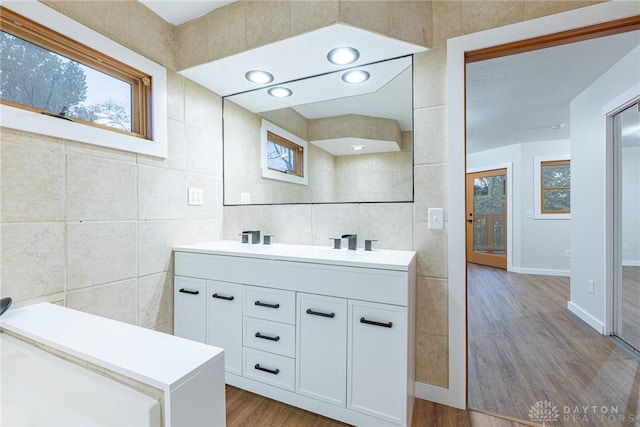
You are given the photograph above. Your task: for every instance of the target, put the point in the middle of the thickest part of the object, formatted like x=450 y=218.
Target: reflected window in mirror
x=284 y=154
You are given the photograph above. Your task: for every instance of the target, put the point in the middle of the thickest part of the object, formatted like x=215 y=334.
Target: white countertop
x=160 y=360
x=377 y=258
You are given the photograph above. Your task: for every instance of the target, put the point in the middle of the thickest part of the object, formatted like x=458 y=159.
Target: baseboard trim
x=541 y=271
x=586 y=317
x=433 y=393
x=631 y=263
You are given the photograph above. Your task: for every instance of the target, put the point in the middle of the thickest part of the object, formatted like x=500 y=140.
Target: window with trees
x=284 y=155
x=552 y=193
x=46 y=72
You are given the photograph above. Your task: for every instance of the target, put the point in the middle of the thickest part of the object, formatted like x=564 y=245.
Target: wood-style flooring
x=245 y=409
x=525 y=347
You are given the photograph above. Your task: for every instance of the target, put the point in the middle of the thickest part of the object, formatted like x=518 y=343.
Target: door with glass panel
x=627 y=217
x=487 y=218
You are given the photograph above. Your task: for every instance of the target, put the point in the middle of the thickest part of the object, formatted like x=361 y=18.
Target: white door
x=190 y=308
x=377 y=360
x=322 y=348
x=224 y=322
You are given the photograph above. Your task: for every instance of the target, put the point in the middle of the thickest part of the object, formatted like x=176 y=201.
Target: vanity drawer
x=274 y=337
x=269 y=368
x=270 y=304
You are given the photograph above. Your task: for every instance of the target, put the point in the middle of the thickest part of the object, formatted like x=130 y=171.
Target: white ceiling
x=179 y=12
x=518 y=98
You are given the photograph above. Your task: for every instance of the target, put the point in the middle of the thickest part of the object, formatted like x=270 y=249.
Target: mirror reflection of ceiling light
x=280 y=92
x=343 y=55
x=259 y=76
x=357 y=147
x=355 y=76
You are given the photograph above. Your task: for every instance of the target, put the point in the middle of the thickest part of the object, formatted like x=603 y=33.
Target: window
x=553 y=188
x=99 y=92
x=46 y=72
x=284 y=155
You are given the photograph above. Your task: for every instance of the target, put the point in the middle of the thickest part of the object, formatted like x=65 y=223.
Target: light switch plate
x=195 y=196
x=436 y=218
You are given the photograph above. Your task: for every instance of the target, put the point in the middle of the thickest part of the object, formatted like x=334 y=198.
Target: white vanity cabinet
x=224 y=322
x=190 y=307
x=329 y=331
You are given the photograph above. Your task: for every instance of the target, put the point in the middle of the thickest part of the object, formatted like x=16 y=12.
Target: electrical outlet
x=591 y=287
x=567 y=253
x=528 y=214
x=195 y=196
x=625 y=246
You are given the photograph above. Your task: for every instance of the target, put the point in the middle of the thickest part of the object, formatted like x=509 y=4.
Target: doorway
x=487 y=218
x=626 y=139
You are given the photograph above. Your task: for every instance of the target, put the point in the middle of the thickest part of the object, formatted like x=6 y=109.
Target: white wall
x=631 y=205
x=589 y=156
x=537 y=245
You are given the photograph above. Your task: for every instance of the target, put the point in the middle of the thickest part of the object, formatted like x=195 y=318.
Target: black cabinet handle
x=318 y=313
x=374 y=323
x=264 y=304
x=187 y=291
x=267 y=337
x=271 y=371
x=231 y=298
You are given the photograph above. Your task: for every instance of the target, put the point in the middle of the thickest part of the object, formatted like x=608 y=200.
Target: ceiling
x=524 y=97
x=515 y=99
x=179 y=12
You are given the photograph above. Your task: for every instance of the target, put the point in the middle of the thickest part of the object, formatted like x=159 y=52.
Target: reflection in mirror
x=359 y=139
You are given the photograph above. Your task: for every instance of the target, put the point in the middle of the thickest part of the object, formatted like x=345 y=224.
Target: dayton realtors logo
x=546 y=412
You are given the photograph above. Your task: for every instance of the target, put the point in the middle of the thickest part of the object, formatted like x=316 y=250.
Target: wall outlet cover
x=195 y=196
x=436 y=218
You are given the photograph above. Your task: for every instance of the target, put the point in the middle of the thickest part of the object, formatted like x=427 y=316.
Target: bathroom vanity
x=330 y=331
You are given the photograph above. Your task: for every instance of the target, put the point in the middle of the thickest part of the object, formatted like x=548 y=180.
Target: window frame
x=539 y=163
x=149 y=134
x=289 y=140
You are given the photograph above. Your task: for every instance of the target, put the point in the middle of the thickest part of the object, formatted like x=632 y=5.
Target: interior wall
x=589 y=171
x=36 y=266
x=631 y=206
x=92 y=228
x=538 y=244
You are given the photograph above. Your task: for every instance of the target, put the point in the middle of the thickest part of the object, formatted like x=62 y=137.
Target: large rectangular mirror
x=328 y=140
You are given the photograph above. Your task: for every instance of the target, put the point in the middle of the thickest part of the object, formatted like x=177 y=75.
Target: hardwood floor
x=250 y=410
x=525 y=347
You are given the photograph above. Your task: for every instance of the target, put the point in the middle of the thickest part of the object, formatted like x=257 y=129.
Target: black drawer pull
x=318 y=313
x=267 y=337
x=187 y=291
x=372 y=322
x=271 y=371
x=264 y=304
x=231 y=298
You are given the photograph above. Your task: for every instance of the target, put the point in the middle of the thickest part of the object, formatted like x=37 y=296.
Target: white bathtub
x=38 y=388
x=65 y=367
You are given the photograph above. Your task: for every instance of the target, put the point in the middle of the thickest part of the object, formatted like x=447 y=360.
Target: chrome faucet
x=352 y=241
x=255 y=236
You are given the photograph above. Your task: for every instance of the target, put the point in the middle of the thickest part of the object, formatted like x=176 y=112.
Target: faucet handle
x=337 y=242
x=367 y=245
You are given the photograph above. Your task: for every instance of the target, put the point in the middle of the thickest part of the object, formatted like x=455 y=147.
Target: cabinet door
x=224 y=322
x=321 y=360
x=190 y=308
x=377 y=360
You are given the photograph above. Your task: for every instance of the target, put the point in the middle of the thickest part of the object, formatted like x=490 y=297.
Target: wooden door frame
x=508 y=167
x=455 y=393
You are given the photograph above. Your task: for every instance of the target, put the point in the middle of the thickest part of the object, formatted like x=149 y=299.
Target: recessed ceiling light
x=343 y=55
x=259 y=76
x=280 y=92
x=355 y=76
x=357 y=147
x=558 y=126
